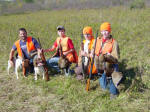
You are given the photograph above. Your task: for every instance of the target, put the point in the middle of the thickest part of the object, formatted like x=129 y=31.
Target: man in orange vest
x=107 y=49
x=24 y=46
x=87 y=45
x=67 y=46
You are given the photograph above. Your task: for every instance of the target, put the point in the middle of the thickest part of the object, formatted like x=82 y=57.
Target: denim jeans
x=53 y=63
x=116 y=67
x=108 y=83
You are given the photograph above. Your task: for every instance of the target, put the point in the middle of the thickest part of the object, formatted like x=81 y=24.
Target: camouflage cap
x=60 y=28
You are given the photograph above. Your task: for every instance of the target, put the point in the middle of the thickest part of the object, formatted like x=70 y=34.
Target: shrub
x=28 y=1
x=137 y=4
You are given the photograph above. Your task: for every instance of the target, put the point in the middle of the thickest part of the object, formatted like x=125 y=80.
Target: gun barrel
x=92 y=63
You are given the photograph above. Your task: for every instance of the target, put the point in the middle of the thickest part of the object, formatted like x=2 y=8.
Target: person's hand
x=41 y=50
x=45 y=50
x=65 y=53
x=91 y=55
x=12 y=63
x=108 y=54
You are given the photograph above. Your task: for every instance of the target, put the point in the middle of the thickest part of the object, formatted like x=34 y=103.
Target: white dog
x=17 y=66
x=39 y=70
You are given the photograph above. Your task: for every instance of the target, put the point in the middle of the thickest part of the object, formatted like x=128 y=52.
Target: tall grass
x=129 y=27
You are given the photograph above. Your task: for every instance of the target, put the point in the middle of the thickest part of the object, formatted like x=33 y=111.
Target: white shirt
x=86 y=46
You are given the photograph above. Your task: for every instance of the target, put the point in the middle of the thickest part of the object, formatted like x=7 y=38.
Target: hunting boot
x=116 y=77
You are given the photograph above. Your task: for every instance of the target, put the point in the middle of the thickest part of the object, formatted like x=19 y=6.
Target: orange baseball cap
x=87 y=30
x=105 y=26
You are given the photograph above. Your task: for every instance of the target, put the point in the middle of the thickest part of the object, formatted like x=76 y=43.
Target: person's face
x=61 y=33
x=22 y=35
x=87 y=36
x=105 y=33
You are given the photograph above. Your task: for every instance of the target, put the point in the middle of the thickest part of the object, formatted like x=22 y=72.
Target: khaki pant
x=78 y=70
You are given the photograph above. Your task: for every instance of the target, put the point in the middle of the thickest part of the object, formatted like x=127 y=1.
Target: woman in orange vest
x=67 y=49
x=108 y=47
x=85 y=51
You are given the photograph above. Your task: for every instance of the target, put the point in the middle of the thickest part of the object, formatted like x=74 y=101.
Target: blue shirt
x=23 y=46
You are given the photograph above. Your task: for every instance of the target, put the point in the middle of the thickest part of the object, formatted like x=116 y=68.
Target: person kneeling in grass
x=106 y=60
x=84 y=60
x=64 y=44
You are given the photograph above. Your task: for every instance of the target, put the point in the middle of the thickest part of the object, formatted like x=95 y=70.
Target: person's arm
x=11 y=57
x=52 y=48
x=115 y=51
x=11 y=54
x=36 y=44
x=71 y=50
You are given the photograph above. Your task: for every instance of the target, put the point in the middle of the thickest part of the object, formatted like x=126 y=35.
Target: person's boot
x=79 y=77
x=113 y=96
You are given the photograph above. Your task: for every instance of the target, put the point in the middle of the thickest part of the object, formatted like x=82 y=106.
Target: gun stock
x=92 y=63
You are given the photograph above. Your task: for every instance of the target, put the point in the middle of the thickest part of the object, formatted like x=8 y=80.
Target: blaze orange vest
x=107 y=47
x=90 y=44
x=64 y=43
x=29 y=43
x=94 y=71
x=72 y=57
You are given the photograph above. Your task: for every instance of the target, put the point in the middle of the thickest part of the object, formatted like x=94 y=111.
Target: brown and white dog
x=18 y=65
x=64 y=64
x=38 y=67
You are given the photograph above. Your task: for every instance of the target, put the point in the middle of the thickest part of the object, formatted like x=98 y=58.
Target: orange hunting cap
x=87 y=30
x=105 y=26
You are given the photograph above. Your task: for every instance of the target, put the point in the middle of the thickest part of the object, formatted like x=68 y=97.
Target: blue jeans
x=116 y=67
x=108 y=83
x=53 y=63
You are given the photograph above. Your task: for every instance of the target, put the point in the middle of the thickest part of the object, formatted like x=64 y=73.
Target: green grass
x=65 y=94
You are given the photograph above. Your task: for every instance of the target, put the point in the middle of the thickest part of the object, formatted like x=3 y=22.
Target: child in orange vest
x=67 y=49
x=85 y=53
x=108 y=47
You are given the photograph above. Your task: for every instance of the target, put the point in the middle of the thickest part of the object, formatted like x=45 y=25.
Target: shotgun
x=44 y=60
x=82 y=58
x=92 y=63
